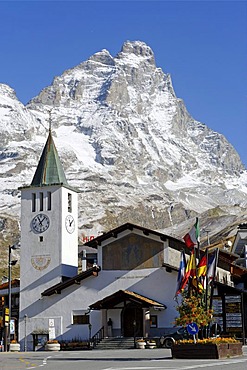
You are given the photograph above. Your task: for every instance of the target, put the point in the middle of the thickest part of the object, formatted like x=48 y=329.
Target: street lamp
x=11 y=263
x=25 y=342
x=90 y=333
x=134 y=326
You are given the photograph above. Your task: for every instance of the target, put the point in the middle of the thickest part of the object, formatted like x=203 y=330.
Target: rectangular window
x=33 y=202
x=2 y=303
x=16 y=301
x=153 y=321
x=69 y=202
x=48 y=201
x=81 y=319
x=41 y=201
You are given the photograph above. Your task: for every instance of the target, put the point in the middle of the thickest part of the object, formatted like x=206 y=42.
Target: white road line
x=174 y=367
x=134 y=368
x=213 y=364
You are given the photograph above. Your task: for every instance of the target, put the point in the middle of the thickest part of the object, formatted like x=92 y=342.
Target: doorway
x=131 y=314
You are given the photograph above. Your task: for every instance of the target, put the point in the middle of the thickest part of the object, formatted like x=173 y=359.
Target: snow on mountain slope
x=126 y=141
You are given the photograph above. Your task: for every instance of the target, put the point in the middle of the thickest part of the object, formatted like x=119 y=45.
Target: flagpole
x=198 y=239
x=206 y=302
x=197 y=277
x=206 y=292
x=197 y=252
x=212 y=284
x=190 y=279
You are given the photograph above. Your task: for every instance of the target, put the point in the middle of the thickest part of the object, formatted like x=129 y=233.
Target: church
x=130 y=281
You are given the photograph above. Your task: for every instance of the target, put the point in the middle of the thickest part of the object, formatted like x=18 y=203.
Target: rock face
x=126 y=141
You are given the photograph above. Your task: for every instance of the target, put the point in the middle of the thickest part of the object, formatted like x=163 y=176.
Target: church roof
x=49 y=170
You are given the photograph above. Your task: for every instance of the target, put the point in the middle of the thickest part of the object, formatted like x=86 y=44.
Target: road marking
x=32 y=365
x=135 y=368
x=174 y=367
x=213 y=364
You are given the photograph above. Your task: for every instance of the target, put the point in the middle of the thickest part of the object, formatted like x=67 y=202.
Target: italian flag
x=192 y=237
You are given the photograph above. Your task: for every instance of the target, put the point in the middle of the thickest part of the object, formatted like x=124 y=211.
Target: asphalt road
x=136 y=359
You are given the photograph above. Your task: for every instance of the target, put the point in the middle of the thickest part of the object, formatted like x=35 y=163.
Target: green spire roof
x=49 y=170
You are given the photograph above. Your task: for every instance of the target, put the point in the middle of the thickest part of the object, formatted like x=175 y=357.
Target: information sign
x=233 y=313
x=12 y=326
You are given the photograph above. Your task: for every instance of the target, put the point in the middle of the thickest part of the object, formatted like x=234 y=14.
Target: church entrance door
x=130 y=316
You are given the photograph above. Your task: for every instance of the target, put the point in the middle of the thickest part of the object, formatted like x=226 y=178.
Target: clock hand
x=71 y=222
x=41 y=221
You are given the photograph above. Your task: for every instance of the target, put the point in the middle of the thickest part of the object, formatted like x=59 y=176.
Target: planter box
x=151 y=345
x=73 y=346
x=207 y=351
x=52 y=347
x=140 y=345
x=14 y=347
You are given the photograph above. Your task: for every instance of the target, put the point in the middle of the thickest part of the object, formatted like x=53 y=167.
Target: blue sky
x=202 y=44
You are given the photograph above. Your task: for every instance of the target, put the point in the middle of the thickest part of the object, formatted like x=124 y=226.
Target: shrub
x=192 y=309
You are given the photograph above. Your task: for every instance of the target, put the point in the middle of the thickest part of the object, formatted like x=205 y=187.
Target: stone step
x=116 y=343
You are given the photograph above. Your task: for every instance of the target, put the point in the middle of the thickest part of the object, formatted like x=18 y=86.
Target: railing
x=97 y=337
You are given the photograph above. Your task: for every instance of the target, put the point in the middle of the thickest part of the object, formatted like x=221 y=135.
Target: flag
x=202 y=272
x=197 y=284
x=212 y=261
x=193 y=236
x=181 y=271
x=190 y=271
x=202 y=266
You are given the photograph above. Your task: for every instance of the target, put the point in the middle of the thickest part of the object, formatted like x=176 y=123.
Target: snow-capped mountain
x=127 y=142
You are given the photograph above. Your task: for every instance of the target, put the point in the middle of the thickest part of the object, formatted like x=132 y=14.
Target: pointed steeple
x=49 y=170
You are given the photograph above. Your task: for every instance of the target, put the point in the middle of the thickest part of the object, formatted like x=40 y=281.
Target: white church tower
x=49 y=233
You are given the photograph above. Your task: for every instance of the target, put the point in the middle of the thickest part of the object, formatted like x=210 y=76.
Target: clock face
x=40 y=223
x=70 y=224
x=40 y=262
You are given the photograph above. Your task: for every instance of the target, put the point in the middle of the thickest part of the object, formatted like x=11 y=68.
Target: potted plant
x=151 y=344
x=52 y=345
x=140 y=343
x=14 y=346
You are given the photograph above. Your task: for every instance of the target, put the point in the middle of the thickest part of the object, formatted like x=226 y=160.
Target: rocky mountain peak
x=7 y=91
x=103 y=57
x=126 y=141
x=138 y=49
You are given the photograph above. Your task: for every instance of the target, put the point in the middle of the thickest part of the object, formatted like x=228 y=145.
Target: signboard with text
x=217 y=307
x=233 y=313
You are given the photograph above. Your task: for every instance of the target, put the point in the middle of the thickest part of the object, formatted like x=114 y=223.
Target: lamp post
x=134 y=326
x=11 y=263
x=25 y=342
x=90 y=333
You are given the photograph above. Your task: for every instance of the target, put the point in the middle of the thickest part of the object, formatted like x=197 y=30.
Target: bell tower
x=49 y=230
